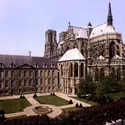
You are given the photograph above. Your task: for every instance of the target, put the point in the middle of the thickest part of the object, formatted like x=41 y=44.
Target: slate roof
x=72 y=55
x=19 y=60
x=102 y=29
x=79 y=31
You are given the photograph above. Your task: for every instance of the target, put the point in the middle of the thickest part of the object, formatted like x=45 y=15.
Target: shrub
x=22 y=97
x=77 y=105
x=70 y=101
x=51 y=93
x=35 y=95
x=80 y=105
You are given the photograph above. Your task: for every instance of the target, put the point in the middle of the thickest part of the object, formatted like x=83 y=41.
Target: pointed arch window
x=76 y=70
x=61 y=70
x=112 y=50
x=82 y=70
x=71 y=71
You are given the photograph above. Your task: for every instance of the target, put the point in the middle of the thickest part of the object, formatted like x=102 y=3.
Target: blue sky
x=23 y=22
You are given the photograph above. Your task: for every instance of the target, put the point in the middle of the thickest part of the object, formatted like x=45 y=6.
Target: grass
x=14 y=105
x=53 y=100
x=86 y=101
x=71 y=109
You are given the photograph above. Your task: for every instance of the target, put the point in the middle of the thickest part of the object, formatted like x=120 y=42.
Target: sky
x=23 y=22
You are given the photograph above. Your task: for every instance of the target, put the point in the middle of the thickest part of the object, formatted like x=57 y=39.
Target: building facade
x=26 y=74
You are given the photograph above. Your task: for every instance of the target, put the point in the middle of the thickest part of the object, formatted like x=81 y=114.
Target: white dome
x=72 y=54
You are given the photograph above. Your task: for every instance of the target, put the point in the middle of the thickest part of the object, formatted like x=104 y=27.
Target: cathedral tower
x=50 y=42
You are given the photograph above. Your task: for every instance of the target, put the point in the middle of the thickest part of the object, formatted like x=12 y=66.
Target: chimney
x=29 y=53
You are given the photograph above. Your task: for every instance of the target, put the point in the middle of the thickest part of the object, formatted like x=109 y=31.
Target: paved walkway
x=15 y=114
x=66 y=97
x=32 y=101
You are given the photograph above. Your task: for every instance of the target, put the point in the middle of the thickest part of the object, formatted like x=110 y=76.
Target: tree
x=86 y=87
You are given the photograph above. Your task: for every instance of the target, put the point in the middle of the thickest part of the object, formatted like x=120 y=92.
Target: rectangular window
x=48 y=73
x=6 y=73
x=41 y=81
x=0 y=84
x=52 y=72
x=48 y=81
x=12 y=74
x=12 y=83
x=6 y=83
x=24 y=82
x=0 y=74
x=30 y=73
x=20 y=83
x=30 y=82
x=24 y=73
x=20 y=74
x=41 y=73
x=52 y=81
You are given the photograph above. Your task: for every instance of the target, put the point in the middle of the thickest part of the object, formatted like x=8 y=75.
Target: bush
x=90 y=97
x=53 y=94
x=80 y=105
x=35 y=95
x=70 y=101
x=77 y=105
x=22 y=97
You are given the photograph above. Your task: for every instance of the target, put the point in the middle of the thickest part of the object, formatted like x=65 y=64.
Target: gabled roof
x=72 y=54
x=102 y=29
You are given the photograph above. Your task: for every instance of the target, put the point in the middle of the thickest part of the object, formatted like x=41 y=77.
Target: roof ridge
x=13 y=55
x=100 y=25
x=78 y=27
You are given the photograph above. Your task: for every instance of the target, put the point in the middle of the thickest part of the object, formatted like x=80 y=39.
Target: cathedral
x=95 y=51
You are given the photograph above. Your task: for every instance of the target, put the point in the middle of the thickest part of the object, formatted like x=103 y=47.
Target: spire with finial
x=110 y=17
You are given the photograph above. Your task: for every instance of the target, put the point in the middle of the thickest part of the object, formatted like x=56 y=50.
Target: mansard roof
x=72 y=55
x=102 y=29
x=19 y=60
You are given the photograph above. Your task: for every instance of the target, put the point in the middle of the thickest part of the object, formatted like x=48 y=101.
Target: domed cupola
x=89 y=24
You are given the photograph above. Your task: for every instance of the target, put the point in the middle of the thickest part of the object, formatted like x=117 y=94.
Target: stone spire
x=110 y=17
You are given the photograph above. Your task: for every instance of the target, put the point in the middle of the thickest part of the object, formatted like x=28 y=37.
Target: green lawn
x=71 y=109
x=14 y=105
x=53 y=100
x=86 y=101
